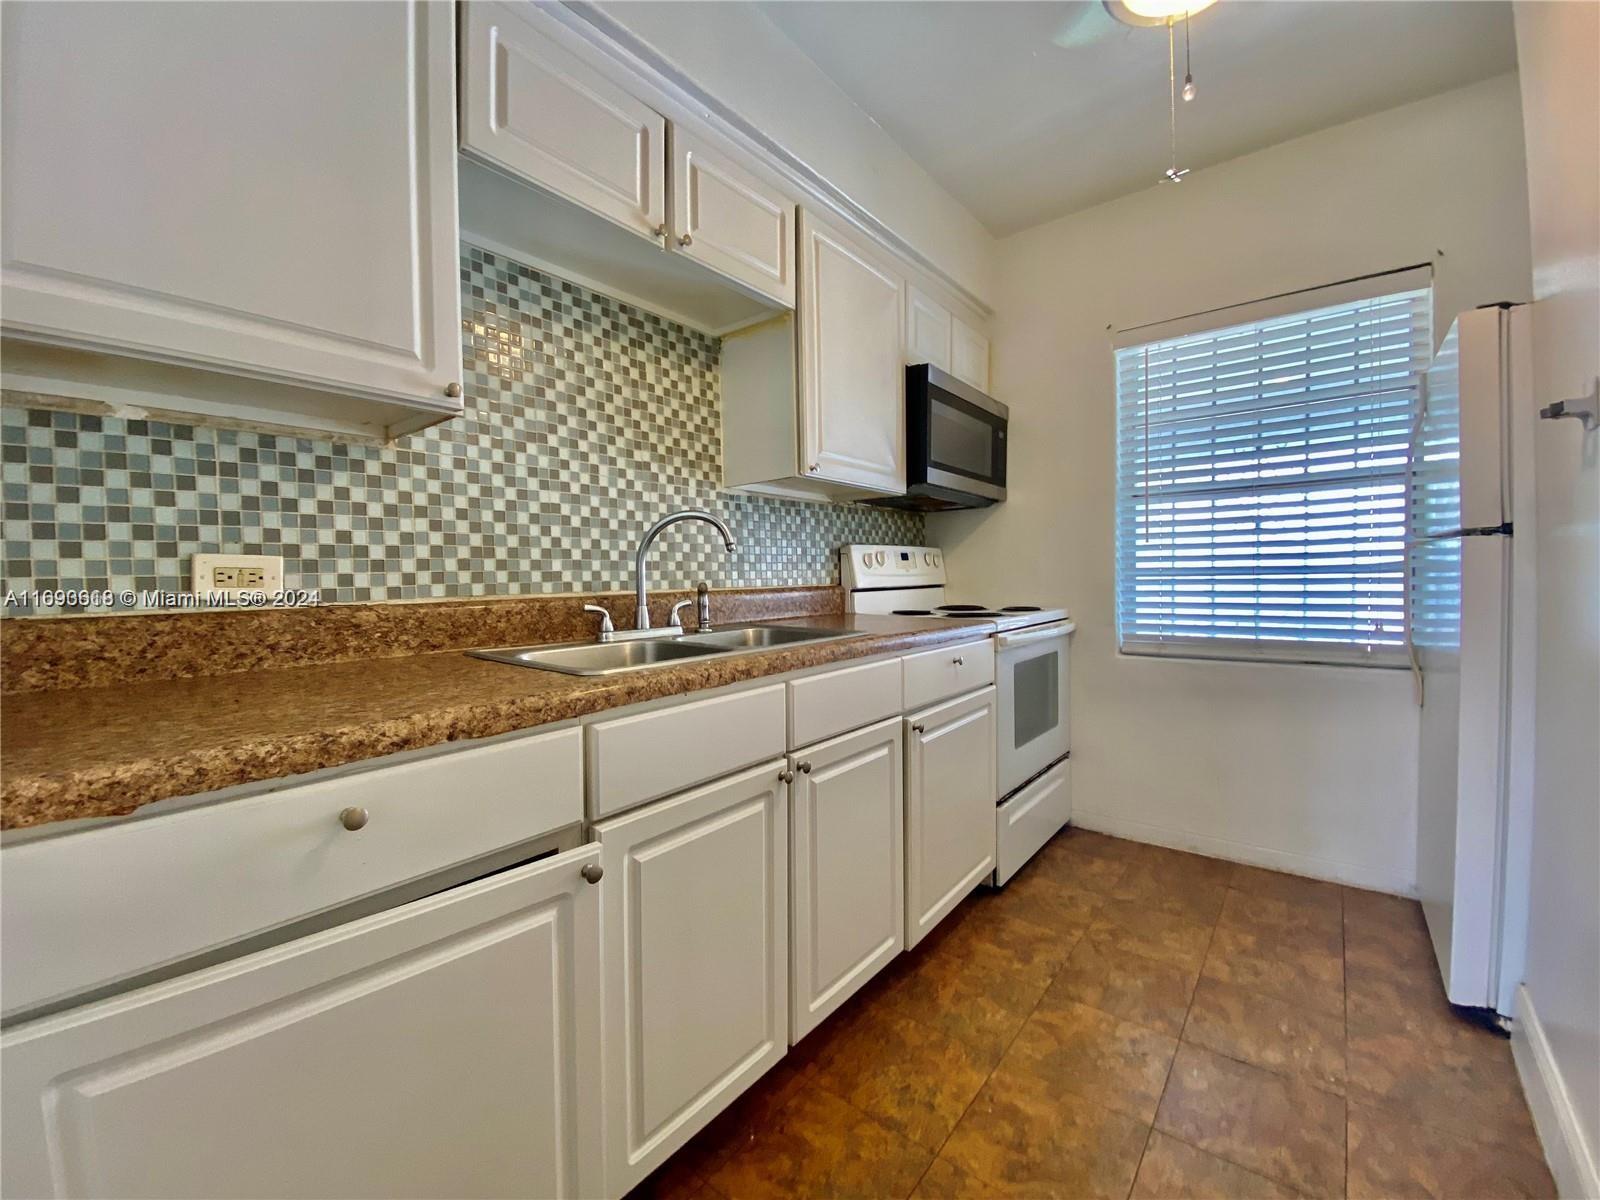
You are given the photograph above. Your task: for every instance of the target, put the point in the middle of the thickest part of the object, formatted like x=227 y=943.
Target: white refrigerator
x=1472 y=613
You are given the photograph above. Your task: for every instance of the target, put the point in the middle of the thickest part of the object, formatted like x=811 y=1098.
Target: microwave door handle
x=1006 y=641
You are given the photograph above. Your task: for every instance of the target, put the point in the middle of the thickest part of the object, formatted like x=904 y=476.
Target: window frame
x=1126 y=511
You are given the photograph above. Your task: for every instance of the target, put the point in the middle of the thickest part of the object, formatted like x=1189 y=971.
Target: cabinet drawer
x=825 y=705
x=948 y=671
x=640 y=758
x=87 y=909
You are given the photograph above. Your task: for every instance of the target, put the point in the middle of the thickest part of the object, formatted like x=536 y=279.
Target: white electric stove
x=909 y=581
x=1032 y=792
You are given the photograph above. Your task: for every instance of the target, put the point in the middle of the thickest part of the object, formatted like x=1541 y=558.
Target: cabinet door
x=969 y=355
x=696 y=961
x=727 y=218
x=950 y=807
x=449 y=1047
x=852 y=374
x=847 y=821
x=928 y=327
x=241 y=187
x=533 y=107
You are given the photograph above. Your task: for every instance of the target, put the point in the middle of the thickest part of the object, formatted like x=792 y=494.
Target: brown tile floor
x=1125 y=1020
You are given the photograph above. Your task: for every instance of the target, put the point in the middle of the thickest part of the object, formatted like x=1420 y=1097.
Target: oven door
x=1031 y=681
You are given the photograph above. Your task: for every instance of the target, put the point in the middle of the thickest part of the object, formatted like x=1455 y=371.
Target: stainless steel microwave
x=955 y=444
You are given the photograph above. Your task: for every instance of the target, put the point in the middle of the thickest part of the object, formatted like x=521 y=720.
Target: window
x=1261 y=475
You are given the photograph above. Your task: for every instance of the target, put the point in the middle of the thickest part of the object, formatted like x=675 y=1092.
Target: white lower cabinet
x=448 y=1047
x=695 y=932
x=847 y=909
x=950 y=807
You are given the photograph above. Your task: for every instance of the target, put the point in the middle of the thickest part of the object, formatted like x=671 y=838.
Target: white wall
x=737 y=55
x=1308 y=768
x=1558 y=51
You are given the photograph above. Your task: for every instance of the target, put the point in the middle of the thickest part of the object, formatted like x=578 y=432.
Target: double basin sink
x=610 y=658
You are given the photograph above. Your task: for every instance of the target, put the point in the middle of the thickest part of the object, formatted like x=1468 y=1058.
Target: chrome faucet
x=640 y=596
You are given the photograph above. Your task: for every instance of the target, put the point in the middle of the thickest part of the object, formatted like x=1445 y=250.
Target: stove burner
x=913 y=612
x=973 y=612
x=1021 y=608
x=961 y=608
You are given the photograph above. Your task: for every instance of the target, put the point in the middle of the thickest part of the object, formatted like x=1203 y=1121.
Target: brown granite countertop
x=108 y=751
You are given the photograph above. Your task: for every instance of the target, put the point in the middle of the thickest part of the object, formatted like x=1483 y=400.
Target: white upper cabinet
x=198 y=192
x=852 y=378
x=939 y=337
x=727 y=218
x=448 y=1047
x=927 y=330
x=969 y=355
x=543 y=105
x=533 y=107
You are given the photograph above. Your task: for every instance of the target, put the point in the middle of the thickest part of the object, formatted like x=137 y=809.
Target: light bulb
x=1166 y=10
x=1188 y=87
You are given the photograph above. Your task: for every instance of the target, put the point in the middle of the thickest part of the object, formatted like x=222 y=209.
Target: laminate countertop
x=109 y=751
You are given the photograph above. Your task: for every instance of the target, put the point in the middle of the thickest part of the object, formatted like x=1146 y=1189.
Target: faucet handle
x=607 y=629
x=673 y=618
x=702 y=597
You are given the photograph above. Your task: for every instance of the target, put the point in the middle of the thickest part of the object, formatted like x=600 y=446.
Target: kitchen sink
x=600 y=658
x=759 y=637
x=609 y=658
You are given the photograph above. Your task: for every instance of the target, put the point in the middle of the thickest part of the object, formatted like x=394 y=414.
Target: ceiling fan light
x=1154 y=12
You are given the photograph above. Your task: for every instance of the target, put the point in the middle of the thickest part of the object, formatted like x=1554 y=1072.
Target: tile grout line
x=1173 y=1064
x=1000 y=1058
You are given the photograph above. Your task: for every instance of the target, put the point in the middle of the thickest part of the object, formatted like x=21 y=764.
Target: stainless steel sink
x=601 y=658
x=759 y=637
x=609 y=658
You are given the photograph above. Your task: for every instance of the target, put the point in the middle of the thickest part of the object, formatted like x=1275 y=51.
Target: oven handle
x=1005 y=641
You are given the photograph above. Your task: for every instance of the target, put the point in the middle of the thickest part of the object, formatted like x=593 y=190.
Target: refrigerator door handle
x=1504 y=529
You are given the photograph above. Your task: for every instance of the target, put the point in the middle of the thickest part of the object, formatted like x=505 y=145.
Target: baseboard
x=1353 y=874
x=1566 y=1147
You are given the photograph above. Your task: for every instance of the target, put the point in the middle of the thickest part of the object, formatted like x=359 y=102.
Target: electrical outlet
x=236 y=573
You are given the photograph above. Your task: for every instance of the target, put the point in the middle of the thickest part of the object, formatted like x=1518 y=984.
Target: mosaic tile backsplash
x=586 y=419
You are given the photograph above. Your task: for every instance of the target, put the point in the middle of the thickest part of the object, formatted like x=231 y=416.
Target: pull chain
x=1174 y=175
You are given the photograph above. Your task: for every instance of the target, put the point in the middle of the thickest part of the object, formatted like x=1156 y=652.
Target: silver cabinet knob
x=813 y=469
x=805 y=766
x=591 y=872
x=661 y=230
x=785 y=776
x=353 y=818
x=685 y=240
x=453 y=390
x=960 y=662
x=918 y=729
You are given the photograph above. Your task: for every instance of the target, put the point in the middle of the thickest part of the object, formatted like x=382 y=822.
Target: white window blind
x=1261 y=478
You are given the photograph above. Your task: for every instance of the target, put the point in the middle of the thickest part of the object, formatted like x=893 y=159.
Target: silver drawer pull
x=785 y=776
x=960 y=662
x=591 y=872
x=918 y=729
x=805 y=767
x=353 y=818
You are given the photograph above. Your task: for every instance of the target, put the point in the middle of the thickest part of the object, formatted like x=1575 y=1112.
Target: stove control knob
x=928 y=558
x=866 y=559
x=937 y=561
x=880 y=557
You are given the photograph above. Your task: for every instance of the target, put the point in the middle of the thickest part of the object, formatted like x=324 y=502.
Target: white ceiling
x=1027 y=110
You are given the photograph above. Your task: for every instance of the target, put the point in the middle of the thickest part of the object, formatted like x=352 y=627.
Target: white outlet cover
x=203 y=567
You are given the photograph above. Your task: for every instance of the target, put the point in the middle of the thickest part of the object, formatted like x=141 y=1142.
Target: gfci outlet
x=236 y=573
